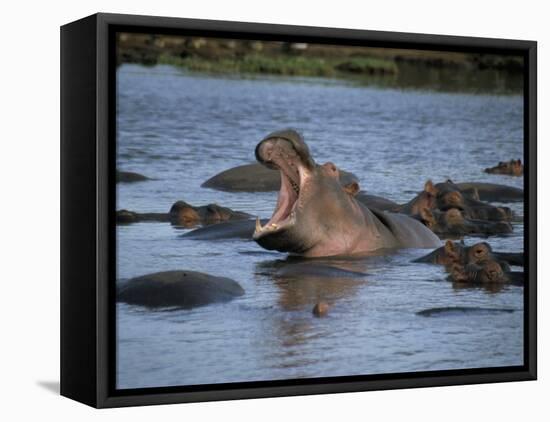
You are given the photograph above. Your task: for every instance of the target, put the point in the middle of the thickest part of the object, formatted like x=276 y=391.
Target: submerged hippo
x=478 y=253
x=316 y=216
x=453 y=223
x=487 y=272
x=448 y=195
x=510 y=168
x=491 y=192
x=373 y=201
x=468 y=198
x=184 y=214
x=443 y=196
x=241 y=229
x=178 y=289
x=255 y=178
x=129 y=177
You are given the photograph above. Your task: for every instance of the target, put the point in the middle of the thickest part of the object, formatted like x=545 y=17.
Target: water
x=181 y=129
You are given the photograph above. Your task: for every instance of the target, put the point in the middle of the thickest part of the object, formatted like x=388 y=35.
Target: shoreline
x=297 y=59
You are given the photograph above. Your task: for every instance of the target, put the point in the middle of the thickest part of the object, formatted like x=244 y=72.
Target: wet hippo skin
x=178 y=289
x=487 y=272
x=468 y=197
x=377 y=202
x=453 y=223
x=183 y=214
x=491 y=192
x=241 y=229
x=510 y=168
x=463 y=254
x=129 y=177
x=448 y=195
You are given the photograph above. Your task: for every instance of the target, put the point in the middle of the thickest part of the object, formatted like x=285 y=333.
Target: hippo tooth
x=273 y=225
x=258 y=225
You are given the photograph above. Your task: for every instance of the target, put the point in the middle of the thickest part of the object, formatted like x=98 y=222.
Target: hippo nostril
x=493 y=271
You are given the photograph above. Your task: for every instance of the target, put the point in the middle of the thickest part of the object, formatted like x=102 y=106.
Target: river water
x=181 y=128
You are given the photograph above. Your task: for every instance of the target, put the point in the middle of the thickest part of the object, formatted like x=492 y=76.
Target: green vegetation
x=368 y=65
x=404 y=68
x=284 y=65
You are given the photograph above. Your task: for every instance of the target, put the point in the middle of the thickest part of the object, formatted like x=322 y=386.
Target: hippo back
x=409 y=232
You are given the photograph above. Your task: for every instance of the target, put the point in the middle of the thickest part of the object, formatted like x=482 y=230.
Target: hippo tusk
x=260 y=229
x=258 y=225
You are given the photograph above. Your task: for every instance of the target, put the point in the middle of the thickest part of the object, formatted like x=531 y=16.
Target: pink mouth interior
x=282 y=155
x=285 y=202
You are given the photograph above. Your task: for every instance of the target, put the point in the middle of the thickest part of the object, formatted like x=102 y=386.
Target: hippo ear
x=430 y=188
x=449 y=246
x=352 y=188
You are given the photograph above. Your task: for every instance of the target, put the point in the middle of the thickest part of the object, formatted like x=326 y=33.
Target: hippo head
x=442 y=222
x=448 y=195
x=453 y=222
x=312 y=205
x=184 y=214
x=424 y=200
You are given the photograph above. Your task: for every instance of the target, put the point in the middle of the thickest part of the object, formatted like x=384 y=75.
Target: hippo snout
x=295 y=140
x=493 y=271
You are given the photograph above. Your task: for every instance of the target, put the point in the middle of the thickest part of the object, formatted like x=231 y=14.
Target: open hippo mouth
x=287 y=152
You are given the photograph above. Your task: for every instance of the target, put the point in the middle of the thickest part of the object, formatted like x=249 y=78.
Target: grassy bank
x=284 y=65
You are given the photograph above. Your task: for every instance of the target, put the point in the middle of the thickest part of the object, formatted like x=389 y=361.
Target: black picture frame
x=88 y=195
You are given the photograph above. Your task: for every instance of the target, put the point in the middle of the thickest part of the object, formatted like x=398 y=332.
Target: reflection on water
x=488 y=287
x=309 y=282
x=180 y=129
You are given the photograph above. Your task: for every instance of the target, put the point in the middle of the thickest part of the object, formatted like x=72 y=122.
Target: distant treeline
x=301 y=59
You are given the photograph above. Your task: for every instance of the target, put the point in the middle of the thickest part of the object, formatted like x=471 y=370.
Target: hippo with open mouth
x=317 y=216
